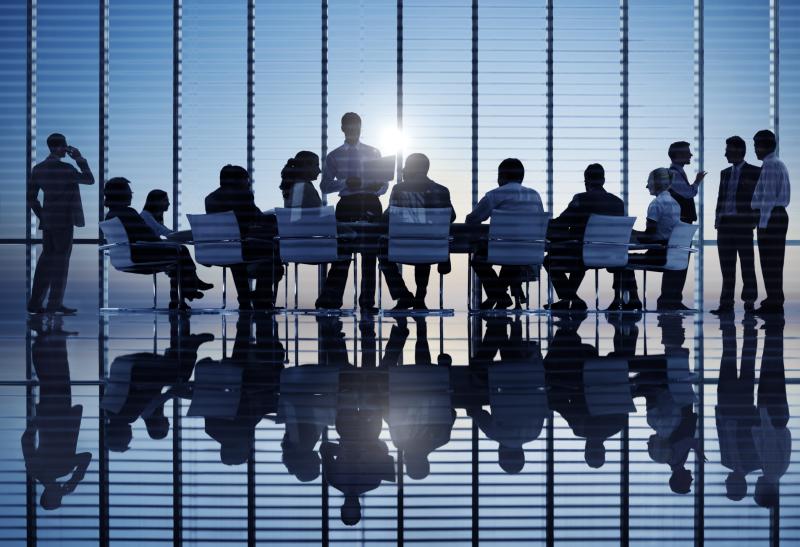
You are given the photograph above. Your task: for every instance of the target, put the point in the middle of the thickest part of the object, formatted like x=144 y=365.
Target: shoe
x=488 y=304
x=323 y=304
x=578 y=304
x=561 y=305
x=768 y=310
x=245 y=306
x=749 y=307
x=194 y=295
x=419 y=304
x=634 y=304
x=503 y=302
x=203 y=286
x=369 y=310
x=35 y=311
x=61 y=310
x=725 y=309
x=616 y=305
x=403 y=303
x=179 y=306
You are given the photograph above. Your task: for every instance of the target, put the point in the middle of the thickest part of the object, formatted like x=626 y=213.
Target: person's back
x=665 y=211
x=135 y=226
x=234 y=194
x=302 y=194
x=61 y=204
x=594 y=201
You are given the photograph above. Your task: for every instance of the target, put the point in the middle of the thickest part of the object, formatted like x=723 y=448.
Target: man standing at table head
x=734 y=222
x=683 y=192
x=358 y=200
x=58 y=214
x=770 y=198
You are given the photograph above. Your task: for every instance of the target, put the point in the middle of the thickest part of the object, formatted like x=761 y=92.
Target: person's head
x=303 y=464
x=157 y=426
x=117 y=193
x=766 y=494
x=57 y=143
x=510 y=170
x=735 y=486
x=118 y=435
x=658 y=180
x=351 y=127
x=157 y=203
x=417 y=465
x=659 y=449
x=234 y=176
x=416 y=167
x=594 y=176
x=307 y=165
x=735 y=149
x=351 y=511
x=680 y=153
x=511 y=459
x=680 y=481
x=234 y=452
x=51 y=497
x=594 y=453
x=765 y=143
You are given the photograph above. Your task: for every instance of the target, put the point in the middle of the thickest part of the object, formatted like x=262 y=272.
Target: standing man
x=734 y=222
x=770 y=198
x=358 y=200
x=58 y=215
x=683 y=192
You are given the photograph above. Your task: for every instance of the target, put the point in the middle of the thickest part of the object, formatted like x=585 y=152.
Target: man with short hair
x=564 y=261
x=510 y=195
x=771 y=197
x=734 y=222
x=59 y=214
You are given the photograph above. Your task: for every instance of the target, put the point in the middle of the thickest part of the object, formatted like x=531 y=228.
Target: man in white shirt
x=358 y=200
x=770 y=198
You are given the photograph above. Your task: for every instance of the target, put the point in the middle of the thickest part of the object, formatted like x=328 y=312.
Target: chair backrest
x=679 y=245
x=115 y=234
x=605 y=241
x=418 y=235
x=216 y=239
x=517 y=238
x=606 y=386
x=307 y=235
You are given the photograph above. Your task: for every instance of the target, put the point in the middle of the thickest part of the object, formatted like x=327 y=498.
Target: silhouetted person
x=49 y=443
x=417 y=191
x=155 y=205
x=59 y=213
x=663 y=214
x=734 y=221
x=257 y=231
x=772 y=437
x=297 y=175
x=564 y=262
x=358 y=200
x=510 y=196
x=683 y=192
x=117 y=198
x=736 y=413
x=770 y=199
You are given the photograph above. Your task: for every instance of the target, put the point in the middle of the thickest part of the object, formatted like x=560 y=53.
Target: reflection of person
x=564 y=261
x=734 y=222
x=771 y=198
x=59 y=213
x=358 y=200
x=683 y=192
x=49 y=443
x=511 y=196
x=155 y=205
x=417 y=191
x=296 y=181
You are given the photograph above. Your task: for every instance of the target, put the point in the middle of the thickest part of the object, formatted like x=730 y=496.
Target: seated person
x=418 y=191
x=663 y=214
x=296 y=186
x=564 y=261
x=257 y=231
x=509 y=196
x=156 y=204
x=117 y=194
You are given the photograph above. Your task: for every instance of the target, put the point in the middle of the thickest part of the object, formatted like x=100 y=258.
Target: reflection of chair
x=606 y=386
x=308 y=236
x=419 y=236
x=517 y=239
x=679 y=247
x=217 y=390
x=119 y=252
x=217 y=243
x=605 y=245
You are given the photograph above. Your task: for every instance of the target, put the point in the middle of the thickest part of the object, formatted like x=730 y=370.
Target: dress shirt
x=680 y=184
x=155 y=225
x=773 y=189
x=59 y=182
x=732 y=184
x=511 y=196
x=348 y=161
x=666 y=213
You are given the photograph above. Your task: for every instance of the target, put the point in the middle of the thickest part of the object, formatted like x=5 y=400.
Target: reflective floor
x=218 y=429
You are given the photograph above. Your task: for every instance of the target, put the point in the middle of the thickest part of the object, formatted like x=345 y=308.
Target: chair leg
x=155 y=292
x=469 y=283
x=224 y=287
x=286 y=286
x=380 y=289
x=295 y=285
x=596 y=289
x=644 y=284
x=355 y=281
x=441 y=291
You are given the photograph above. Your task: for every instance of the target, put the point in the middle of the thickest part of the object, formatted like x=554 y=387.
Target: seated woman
x=117 y=196
x=296 y=177
x=156 y=204
x=663 y=214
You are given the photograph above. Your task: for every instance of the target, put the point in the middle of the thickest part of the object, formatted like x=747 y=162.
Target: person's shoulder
x=369 y=148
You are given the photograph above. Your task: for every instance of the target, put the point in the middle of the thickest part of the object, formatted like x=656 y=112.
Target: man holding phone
x=59 y=213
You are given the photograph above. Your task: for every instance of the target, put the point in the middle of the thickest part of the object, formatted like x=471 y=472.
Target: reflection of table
x=365 y=236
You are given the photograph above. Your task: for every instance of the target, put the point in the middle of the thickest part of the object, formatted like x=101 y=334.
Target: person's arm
x=84 y=175
x=330 y=183
x=719 y=197
x=482 y=210
x=32 y=196
x=760 y=194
